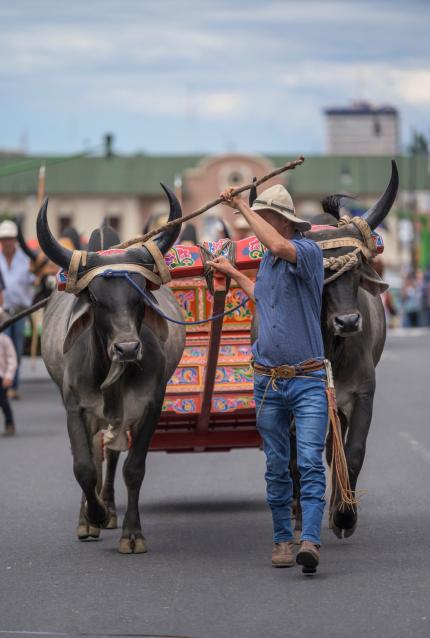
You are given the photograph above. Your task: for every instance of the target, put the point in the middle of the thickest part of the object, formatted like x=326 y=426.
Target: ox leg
x=84 y=468
x=344 y=520
x=85 y=530
x=132 y=539
x=108 y=491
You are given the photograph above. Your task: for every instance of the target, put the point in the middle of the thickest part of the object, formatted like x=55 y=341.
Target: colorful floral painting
x=195 y=352
x=180 y=406
x=242 y=350
x=187 y=301
x=185 y=375
x=234 y=374
x=228 y=404
x=254 y=249
x=218 y=248
x=181 y=256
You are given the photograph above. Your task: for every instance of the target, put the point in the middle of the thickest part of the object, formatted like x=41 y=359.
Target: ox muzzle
x=348 y=324
x=126 y=351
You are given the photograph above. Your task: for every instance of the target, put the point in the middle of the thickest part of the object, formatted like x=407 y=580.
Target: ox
x=111 y=356
x=354 y=331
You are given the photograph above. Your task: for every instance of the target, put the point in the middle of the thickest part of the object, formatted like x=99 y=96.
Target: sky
x=205 y=76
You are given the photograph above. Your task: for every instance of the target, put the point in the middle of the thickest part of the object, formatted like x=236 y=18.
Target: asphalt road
x=208 y=573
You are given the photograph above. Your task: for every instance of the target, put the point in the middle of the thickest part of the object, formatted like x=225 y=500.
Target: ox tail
x=338 y=465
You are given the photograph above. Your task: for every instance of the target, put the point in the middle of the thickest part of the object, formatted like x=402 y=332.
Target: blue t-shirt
x=288 y=298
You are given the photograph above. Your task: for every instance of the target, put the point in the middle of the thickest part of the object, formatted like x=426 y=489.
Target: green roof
x=140 y=175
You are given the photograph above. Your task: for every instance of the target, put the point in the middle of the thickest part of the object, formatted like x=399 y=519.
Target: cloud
x=379 y=82
x=257 y=70
x=178 y=102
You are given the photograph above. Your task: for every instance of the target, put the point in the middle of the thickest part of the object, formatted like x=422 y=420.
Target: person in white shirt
x=18 y=292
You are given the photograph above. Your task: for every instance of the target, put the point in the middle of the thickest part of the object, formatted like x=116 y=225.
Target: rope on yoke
x=152 y=303
x=340 y=264
x=343 y=263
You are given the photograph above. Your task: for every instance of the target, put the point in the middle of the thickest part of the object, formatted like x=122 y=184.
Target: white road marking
x=416 y=446
x=32 y=633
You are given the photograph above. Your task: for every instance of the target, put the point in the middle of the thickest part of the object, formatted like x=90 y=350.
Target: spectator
x=412 y=301
x=8 y=366
x=18 y=293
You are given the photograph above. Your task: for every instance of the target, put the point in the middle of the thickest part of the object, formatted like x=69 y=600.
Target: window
x=235 y=177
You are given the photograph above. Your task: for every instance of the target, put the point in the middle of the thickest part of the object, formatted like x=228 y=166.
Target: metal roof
x=140 y=175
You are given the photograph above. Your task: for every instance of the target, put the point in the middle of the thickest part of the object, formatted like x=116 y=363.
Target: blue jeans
x=304 y=399
x=16 y=333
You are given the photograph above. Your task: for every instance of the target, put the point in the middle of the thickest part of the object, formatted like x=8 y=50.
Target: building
x=84 y=190
x=362 y=129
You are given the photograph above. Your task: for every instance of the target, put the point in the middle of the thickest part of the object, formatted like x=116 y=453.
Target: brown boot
x=9 y=430
x=308 y=557
x=282 y=555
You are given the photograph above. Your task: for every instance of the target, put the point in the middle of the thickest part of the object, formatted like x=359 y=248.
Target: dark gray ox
x=354 y=331
x=111 y=357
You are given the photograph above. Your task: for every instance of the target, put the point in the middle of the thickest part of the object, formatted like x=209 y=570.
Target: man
x=18 y=294
x=288 y=297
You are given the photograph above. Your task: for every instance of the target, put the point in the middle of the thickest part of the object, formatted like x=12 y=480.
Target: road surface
x=208 y=573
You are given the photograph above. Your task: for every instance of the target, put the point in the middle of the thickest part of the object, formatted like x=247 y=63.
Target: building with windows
x=362 y=129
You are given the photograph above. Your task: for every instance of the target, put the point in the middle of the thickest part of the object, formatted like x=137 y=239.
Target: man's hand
x=222 y=264
x=7 y=383
x=229 y=199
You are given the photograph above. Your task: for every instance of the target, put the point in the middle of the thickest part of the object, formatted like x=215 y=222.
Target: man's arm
x=269 y=236
x=221 y=264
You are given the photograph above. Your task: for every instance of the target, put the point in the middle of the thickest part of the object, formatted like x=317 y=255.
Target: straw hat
x=278 y=199
x=8 y=229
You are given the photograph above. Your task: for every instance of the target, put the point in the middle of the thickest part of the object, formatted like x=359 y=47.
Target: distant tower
x=362 y=129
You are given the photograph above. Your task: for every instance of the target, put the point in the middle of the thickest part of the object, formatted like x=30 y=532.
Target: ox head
x=112 y=306
x=342 y=316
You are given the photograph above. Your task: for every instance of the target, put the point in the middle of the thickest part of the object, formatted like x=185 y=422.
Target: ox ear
x=81 y=319
x=371 y=281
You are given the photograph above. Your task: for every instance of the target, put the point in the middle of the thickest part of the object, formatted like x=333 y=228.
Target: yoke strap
x=346 y=241
x=75 y=287
x=158 y=257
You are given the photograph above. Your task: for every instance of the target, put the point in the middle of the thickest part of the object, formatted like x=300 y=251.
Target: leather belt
x=289 y=372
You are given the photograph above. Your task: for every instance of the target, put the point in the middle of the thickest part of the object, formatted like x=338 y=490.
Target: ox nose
x=347 y=324
x=127 y=350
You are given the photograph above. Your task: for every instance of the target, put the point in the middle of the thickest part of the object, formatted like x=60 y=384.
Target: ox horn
x=167 y=238
x=377 y=213
x=50 y=246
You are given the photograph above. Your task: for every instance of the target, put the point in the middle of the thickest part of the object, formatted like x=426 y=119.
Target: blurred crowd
x=415 y=299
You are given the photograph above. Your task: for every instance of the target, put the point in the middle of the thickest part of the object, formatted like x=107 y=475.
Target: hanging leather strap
x=158 y=257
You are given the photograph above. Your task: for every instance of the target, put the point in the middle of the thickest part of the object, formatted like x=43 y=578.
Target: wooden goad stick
x=141 y=238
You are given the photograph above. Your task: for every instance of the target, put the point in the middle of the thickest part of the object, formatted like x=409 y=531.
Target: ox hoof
x=85 y=531
x=132 y=545
x=113 y=521
x=343 y=524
